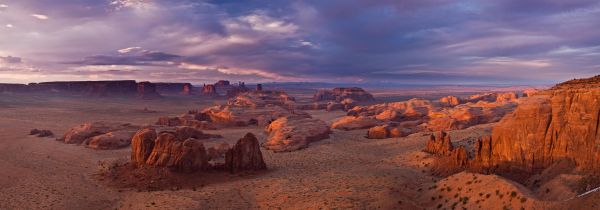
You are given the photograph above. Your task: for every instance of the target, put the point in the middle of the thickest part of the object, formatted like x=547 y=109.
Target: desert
x=338 y=104
x=257 y=150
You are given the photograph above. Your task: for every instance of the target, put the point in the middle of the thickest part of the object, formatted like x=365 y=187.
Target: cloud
x=40 y=17
x=143 y=58
x=10 y=59
x=336 y=40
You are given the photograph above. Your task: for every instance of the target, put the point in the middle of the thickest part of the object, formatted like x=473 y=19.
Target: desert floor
x=346 y=171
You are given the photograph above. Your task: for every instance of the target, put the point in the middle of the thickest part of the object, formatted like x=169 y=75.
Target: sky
x=335 y=41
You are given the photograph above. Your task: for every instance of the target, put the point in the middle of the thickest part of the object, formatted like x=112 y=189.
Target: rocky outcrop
x=339 y=94
x=288 y=134
x=467 y=115
x=222 y=83
x=259 y=87
x=182 y=152
x=111 y=140
x=450 y=101
x=209 y=90
x=354 y=123
x=530 y=92
x=41 y=133
x=439 y=144
x=180 y=149
x=245 y=155
x=449 y=158
x=395 y=129
x=188 y=89
x=560 y=123
x=83 y=132
x=147 y=90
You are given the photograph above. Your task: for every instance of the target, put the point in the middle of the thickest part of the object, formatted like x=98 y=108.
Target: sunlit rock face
x=560 y=123
x=288 y=134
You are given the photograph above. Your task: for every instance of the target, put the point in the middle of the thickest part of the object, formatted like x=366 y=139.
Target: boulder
x=354 y=123
x=288 y=134
x=41 y=133
x=245 y=155
x=110 y=140
x=142 y=145
x=81 y=133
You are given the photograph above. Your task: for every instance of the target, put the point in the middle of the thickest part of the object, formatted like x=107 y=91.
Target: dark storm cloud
x=143 y=59
x=10 y=59
x=337 y=40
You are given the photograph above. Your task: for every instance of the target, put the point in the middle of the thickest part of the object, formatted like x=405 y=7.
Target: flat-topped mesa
x=341 y=93
x=147 y=90
x=95 y=88
x=174 y=88
x=13 y=88
x=560 y=123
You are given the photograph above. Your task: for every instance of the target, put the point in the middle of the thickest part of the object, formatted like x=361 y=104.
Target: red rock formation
x=111 y=140
x=188 y=89
x=209 y=90
x=530 y=92
x=147 y=90
x=82 y=133
x=439 y=144
x=383 y=132
x=560 y=123
x=172 y=152
x=245 y=155
x=450 y=101
x=179 y=150
x=448 y=159
x=142 y=145
x=222 y=83
x=339 y=94
x=288 y=134
x=41 y=133
x=354 y=123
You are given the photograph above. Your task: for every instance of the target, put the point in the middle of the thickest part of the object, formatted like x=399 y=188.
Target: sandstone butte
x=182 y=150
x=551 y=125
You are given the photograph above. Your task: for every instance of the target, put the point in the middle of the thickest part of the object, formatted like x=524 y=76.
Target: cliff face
x=560 y=123
x=99 y=88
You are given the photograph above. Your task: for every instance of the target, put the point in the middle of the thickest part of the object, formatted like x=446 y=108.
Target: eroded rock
x=289 y=134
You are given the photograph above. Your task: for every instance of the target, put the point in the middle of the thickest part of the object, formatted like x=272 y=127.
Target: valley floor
x=346 y=171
